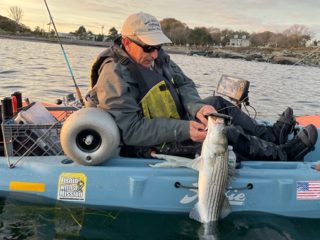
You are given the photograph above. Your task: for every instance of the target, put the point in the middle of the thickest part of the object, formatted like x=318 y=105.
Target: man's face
x=138 y=54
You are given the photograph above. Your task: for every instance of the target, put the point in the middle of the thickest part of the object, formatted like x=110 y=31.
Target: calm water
x=39 y=71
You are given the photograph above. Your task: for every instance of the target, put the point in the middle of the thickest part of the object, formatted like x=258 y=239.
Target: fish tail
x=226 y=209
x=195 y=214
x=232 y=173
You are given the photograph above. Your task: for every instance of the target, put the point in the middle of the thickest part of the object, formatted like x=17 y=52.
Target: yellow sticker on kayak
x=72 y=187
x=27 y=186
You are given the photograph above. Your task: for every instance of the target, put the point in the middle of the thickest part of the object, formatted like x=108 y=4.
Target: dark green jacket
x=117 y=91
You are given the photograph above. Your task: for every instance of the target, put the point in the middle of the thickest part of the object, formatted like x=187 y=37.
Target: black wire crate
x=31 y=139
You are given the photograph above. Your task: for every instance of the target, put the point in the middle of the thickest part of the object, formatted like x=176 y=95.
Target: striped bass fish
x=213 y=172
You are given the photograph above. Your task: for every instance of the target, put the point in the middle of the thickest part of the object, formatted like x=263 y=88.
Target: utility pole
x=49 y=27
x=102 y=37
x=102 y=27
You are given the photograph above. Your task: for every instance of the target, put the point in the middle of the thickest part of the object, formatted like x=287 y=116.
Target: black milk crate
x=31 y=139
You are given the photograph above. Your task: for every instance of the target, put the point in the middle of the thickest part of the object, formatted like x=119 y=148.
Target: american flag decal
x=308 y=190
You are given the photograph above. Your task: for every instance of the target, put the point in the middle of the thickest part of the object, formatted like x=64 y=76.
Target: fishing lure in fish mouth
x=218 y=115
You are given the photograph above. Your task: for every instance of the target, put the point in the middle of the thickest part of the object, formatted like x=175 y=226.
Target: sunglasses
x=146 y=48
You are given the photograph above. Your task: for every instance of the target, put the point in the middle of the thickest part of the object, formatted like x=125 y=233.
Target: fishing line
x=65 y=57
x=310 y=54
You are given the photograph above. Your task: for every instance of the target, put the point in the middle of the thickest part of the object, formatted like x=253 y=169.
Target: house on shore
x=238 y=41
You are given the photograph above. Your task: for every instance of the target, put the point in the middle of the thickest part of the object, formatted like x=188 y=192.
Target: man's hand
x=197 y=131
x=206 y=109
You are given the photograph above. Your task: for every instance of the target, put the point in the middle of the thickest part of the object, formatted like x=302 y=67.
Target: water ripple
x=272 y=87
x=8 y=71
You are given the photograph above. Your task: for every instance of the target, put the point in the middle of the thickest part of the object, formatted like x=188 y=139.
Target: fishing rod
x=65 y=57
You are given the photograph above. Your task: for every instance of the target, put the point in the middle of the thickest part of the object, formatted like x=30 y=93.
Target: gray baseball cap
x=145 y=27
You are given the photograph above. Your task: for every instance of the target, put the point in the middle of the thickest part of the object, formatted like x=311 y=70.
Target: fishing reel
x=70 y=100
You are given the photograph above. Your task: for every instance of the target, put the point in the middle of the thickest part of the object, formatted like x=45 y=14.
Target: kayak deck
x=284 y=188
x=130 y=183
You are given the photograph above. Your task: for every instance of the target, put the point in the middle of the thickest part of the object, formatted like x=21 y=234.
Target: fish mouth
x=219 y=115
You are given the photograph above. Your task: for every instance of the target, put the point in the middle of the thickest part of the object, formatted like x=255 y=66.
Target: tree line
x=178 y=32
x=82 y=33
x=181 y=34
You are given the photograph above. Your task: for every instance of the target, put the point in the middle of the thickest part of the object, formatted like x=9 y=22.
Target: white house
x=236 y=41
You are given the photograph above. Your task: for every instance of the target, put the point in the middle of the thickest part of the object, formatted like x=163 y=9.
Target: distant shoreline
x=169 y=49
x=302 y=56
x=55 y=40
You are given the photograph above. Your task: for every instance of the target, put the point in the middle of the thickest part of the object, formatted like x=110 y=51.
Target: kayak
x=305 y=120
x=283 y=188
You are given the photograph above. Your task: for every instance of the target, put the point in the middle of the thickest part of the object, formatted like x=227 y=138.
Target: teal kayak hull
x=130 y=183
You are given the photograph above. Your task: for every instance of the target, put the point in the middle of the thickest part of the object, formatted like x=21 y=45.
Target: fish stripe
x=216 y=192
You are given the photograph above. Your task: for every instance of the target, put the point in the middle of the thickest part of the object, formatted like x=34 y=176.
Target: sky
x=99 y=16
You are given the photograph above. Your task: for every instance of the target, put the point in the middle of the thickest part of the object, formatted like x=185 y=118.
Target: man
x=157 y=107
